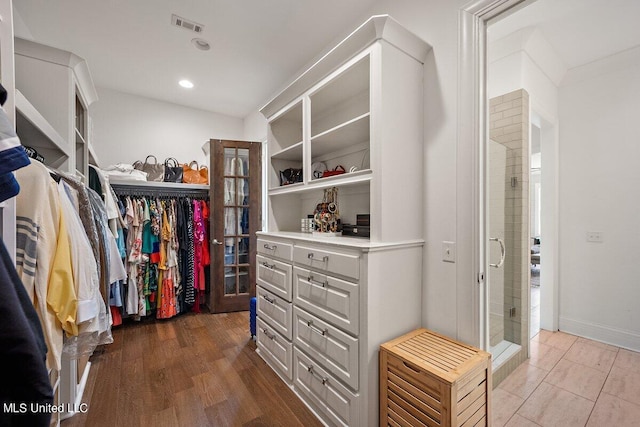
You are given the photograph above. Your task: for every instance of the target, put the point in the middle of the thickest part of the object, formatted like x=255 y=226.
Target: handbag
x=193 y=176
x=154 y=171
x=290 y=176
x=338 y=170
x=204 y=174
x=172 y=170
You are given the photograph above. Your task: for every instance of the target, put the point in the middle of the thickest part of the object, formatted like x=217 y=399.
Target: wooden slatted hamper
x=427 y=379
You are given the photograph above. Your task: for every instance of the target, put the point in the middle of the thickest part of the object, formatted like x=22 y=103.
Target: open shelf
x=351 y=84
x=344 y=135
x=344 y=180
x=286 y=130
x=293 y=152
x=35 y=131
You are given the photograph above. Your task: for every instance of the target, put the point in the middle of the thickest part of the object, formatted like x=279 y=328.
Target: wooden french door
x=236 y=187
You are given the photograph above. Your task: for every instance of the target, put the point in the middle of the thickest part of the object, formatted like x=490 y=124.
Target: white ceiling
x=259 y=45
x=580 y=31
x=131 y=46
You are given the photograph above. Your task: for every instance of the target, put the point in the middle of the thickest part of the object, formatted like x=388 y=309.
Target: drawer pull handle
x=269 y=266
x=270 y=248
x=315 y=329
x=272 y=337
x=325 y=258
x=272 y=301
x=411 y=367
x=317 y=283
x=312 y=372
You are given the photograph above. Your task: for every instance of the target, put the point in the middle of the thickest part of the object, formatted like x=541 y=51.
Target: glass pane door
x=236 y=204
x=236 y=221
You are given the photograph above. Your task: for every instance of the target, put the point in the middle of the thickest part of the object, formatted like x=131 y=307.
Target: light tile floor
x=570 y=381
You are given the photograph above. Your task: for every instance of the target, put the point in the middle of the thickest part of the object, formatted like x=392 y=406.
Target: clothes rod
x=158 y=191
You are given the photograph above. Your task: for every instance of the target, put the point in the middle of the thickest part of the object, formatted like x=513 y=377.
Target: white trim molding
x=472 y=324
x=606 y=334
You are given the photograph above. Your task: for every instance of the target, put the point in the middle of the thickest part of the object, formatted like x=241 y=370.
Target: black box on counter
x=356 y=230
x=362 y=219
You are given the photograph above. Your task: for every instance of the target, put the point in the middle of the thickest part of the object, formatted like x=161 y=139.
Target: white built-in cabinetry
x=54 y=92
x=325 y=304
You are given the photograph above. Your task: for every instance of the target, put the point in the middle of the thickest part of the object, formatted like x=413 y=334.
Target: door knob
x=215 y=242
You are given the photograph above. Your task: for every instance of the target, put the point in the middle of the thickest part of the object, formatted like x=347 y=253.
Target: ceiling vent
x=178 y=21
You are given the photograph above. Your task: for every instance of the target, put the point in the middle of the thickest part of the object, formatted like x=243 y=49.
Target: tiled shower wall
x=509 y=126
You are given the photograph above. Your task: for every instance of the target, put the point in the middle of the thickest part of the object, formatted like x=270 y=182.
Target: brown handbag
x=204 y=174
x=194 y=176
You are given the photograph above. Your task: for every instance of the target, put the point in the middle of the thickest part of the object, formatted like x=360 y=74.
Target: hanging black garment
x=22 y=353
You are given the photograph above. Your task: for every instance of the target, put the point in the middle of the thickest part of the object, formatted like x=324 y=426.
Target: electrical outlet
x=595 y=236
x=449 y=251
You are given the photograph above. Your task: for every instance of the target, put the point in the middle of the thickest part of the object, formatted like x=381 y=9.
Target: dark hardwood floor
x=194 y=370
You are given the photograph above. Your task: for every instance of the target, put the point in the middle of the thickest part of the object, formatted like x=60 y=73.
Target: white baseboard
x=617 y=337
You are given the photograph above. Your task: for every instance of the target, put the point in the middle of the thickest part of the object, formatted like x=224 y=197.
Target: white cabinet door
x=330 y=261
x=275 y=311
x=323 y=391
x=274 y=276
x=274 y=349
x=333 y=300
x=275 y=249
x=333 y=349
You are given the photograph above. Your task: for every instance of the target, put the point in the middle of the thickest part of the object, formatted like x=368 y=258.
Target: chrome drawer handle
x=269 y=266
x=312 y=372
x=315 y=329
x=272 y=301
x=272 y=337
x=317 y=283
x=270 y=248
x=325 y=258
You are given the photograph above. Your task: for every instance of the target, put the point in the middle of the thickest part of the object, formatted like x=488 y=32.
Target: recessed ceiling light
x=201 y=44
x=186 y=84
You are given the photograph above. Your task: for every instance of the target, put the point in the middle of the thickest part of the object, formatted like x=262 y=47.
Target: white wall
x=599 y=176
x=127 y=128
x=255 y=127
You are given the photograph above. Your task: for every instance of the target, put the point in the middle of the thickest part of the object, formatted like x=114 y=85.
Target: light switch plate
x=449 y=251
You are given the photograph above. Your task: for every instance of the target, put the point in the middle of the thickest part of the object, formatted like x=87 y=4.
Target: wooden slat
x=429 y=385
x=435 y=349
x=471 y=409
x=470 y=386
x=462 y=353
x=391 y=422
x=410 y=419
x=412 y=410
x=429 y=359
x=469 y=399
x=397 y=419
x=473 y=420
x=415 y=401
x=481 y=423
x=415 y=391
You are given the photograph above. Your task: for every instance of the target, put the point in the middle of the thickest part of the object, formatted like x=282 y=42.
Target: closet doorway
x=236 y=192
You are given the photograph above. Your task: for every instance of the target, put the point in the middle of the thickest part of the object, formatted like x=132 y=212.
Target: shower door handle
x=503 y=252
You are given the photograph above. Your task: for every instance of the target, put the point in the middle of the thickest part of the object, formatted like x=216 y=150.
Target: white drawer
x=274 y=276
x=275 y=311
x=277 y=351
x=275 y=249
x=330 y=261
x=321 y=390
x=333 y=349
x=333 y=300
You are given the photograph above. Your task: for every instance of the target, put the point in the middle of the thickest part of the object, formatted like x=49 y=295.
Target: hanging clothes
x=43 y=257
x=166 y=252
